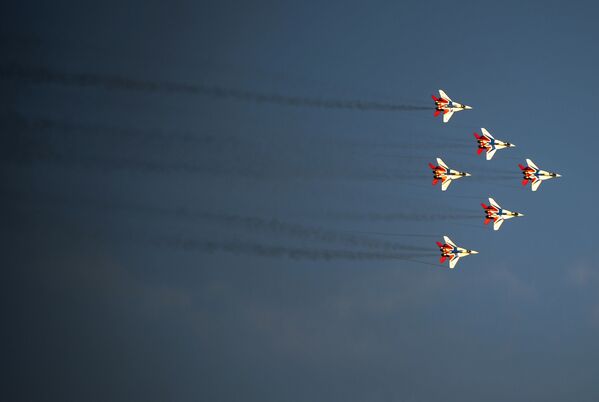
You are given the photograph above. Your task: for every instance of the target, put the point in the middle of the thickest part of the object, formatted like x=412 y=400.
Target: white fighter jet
x=535 y=175
x=453 y=252
x=497 y=214
x=445 y=174
x=444 y=104
x=490 y=144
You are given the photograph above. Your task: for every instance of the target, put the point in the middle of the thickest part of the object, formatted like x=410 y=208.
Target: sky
x=229 y=201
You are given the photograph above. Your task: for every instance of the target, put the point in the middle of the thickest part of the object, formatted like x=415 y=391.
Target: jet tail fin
x=521 y=166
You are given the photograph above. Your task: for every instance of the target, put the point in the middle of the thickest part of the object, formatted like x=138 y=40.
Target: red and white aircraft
x=497 y=214
x=453 y=252
x=445 y=174
x=487 y=142
x=535 y=175
x=444 y=104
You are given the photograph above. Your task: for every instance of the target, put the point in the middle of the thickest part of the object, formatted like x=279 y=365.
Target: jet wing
x=447 y=115
x=497 y=224
x=486 y=133
x=453 y=261
x=535 y=184
x=531 y=164
x=493 y=203
x=448 y=241
x=491 y=152
x=445 y=184
x=441 y=163
x=443 y=95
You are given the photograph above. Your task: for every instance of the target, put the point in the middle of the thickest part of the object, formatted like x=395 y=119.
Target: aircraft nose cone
x=558 y=175
x=467 y=174
x=473 y=252
x=512 y=145
x=467 y=107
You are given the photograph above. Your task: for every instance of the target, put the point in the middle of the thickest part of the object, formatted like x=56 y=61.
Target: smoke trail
x=115 y=82
x=405 y=216
x=28 y=149
x=310 y=233
x=296 y=253
x=398 y=234
x=34 y=124
x=271 y=226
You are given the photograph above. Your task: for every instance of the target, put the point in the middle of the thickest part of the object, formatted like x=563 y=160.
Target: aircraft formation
x=489 y=145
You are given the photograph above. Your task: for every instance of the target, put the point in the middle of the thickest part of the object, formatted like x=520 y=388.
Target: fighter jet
x=487 y=142
x=453 y=252
x=447 y=106
x=497 y=214
x=535 y=175
x=445 y=174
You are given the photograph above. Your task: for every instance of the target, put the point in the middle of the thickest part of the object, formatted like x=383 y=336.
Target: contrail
x=116 y=82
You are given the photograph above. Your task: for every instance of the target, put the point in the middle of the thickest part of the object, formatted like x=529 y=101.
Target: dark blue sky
x=168 y=245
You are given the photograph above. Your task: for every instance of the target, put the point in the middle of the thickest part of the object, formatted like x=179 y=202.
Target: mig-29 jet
x=535 y=175
x=453 y=252
x=445 y=174
x=447 y=106
x=497 y=214
x=487 y=142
